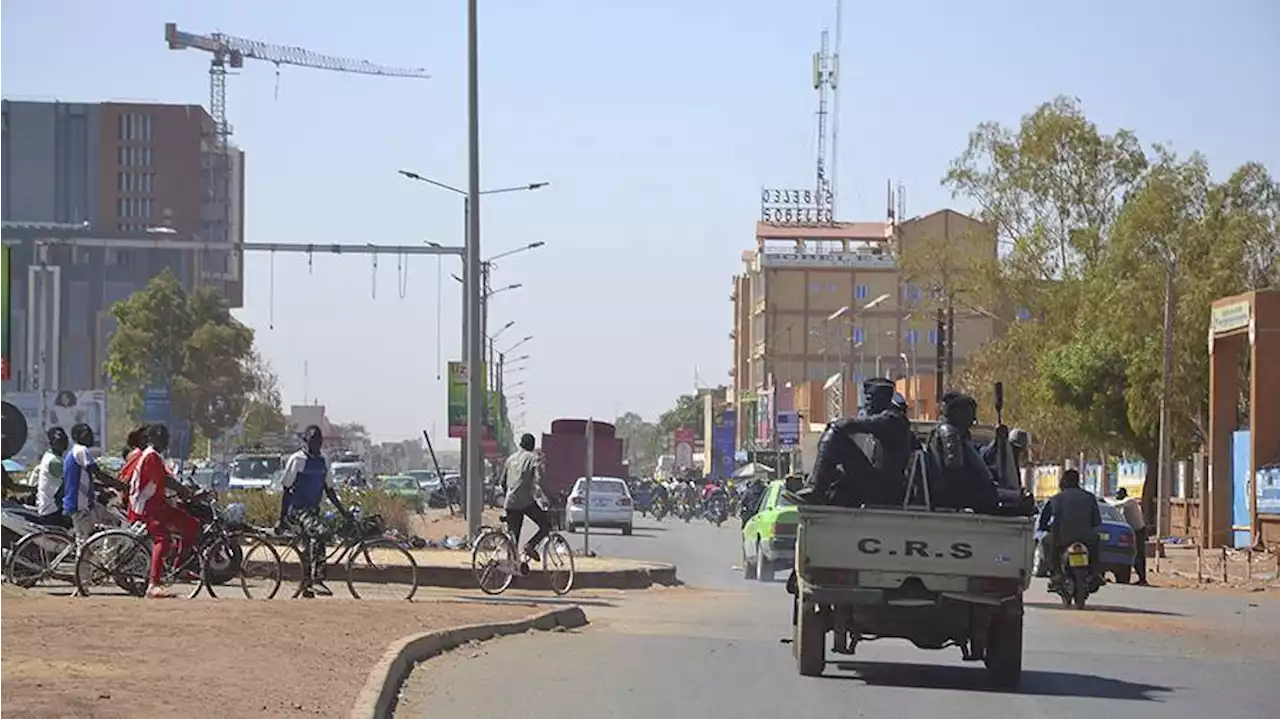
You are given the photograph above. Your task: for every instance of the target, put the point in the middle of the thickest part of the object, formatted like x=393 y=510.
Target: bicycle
x=364 y=537
x=51 y=552
x=223 y=551
x=557 y=560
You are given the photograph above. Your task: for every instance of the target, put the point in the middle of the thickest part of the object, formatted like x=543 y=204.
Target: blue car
x=1116 y=542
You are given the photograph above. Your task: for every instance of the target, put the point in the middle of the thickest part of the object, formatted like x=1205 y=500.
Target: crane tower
x=230 y=51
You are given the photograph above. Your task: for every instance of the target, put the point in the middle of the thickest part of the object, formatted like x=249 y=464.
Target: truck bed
x=914 y=543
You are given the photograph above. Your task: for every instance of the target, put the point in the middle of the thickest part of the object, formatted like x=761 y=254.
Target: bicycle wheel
x=382 y=561
x=41 y=555
x=491 y=561
x=260 y=570
x=187 y=578
x=557 y=563
x=115 y=557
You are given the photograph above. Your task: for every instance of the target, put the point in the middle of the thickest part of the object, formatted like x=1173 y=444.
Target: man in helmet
x=848 y=474
x=306 y=480
x=49 y=481
x=1019 y=440
x=148 y=480
x=966 y=481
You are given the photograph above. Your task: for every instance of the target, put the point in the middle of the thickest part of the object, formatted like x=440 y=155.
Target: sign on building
x=795 y=208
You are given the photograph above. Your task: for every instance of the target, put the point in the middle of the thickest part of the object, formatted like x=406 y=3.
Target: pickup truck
x=938 y=578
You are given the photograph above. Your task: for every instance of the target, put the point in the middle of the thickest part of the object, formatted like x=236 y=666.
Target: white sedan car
x=611 y=504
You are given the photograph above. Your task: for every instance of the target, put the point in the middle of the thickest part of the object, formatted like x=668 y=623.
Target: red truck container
x=565 y=451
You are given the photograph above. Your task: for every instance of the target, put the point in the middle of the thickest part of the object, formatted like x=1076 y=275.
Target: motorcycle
x=660 y=508
x=717 y=511
x=1075 y=580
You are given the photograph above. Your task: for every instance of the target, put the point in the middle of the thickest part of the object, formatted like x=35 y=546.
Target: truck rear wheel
x=1004 y=647
x=810 y=641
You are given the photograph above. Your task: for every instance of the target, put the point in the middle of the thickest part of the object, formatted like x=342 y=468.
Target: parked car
x=255 y=471
x=611 y=504
x=403 y=485
x=427 y=479
x=769 y=535
x=1115 y=544
x=212 y=477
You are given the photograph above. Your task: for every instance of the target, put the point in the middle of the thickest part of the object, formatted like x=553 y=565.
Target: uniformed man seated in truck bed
x=959 y=479
x=848 y=475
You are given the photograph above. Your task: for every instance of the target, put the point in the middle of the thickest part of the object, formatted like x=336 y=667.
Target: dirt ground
x=436 y=524
x=1180 y=568
x=64 y=657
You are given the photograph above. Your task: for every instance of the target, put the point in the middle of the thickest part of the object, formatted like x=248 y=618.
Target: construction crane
x=231 y=51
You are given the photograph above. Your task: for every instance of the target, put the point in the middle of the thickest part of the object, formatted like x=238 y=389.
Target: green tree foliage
x=188 y=343
x=264 y=408
x=643 y=440
x=1091 y=227
x=687 y=413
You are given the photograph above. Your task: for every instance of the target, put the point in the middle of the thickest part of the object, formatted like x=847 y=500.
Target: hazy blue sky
x=657 y=122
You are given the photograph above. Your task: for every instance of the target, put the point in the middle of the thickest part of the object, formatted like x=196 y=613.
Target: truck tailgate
x=914 y=542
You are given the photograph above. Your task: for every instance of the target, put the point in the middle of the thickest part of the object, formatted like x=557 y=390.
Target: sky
x=656 y=124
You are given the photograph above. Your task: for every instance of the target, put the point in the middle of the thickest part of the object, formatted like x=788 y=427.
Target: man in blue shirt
x=80 y=472
x=307 y=480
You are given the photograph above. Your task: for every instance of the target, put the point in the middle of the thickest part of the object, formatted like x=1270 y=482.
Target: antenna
x=823 y=79
x=902 y=201
x=888 y=200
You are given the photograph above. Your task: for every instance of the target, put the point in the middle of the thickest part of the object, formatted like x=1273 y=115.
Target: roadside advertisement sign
x=723 y=432
x=683 y=439
x=788 y=429
x=64 y=408
x=457 y=409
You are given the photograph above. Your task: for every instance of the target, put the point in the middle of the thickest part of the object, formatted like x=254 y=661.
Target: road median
x=381 y=690
x=450 y=568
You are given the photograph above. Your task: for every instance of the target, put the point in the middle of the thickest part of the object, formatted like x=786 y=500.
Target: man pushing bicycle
x=522 y=479
x=306 y=481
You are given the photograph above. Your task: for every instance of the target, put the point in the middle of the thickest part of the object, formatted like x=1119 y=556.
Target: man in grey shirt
x=522 y=480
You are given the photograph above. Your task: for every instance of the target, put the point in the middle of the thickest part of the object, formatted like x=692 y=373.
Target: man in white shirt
x=49 y=481
x=1132 y=509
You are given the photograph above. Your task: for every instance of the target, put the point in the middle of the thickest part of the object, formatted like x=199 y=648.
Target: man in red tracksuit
x=147 y=483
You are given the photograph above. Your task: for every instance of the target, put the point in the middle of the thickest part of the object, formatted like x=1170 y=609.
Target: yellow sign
x=1230 y=317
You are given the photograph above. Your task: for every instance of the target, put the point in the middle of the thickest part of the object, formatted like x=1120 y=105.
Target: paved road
x=716 y=650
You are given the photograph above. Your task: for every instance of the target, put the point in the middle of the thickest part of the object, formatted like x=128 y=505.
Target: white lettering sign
x=826 y=259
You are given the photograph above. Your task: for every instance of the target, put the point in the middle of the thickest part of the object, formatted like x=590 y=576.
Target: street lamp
x=473 y=287
x=845 y=311
x=512 y=348
x=497 y=334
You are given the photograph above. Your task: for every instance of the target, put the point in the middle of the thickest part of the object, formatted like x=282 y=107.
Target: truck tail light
x=781 y=529
x=576 y=501
x=624 y=501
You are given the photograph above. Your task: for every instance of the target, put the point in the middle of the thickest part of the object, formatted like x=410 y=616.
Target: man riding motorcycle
x=848 y=475
x=1069 y=516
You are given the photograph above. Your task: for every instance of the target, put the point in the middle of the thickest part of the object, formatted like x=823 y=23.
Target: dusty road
x=715 y=650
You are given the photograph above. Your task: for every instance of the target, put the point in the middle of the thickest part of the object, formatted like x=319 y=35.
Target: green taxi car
x=769 y=536
x=404 y=486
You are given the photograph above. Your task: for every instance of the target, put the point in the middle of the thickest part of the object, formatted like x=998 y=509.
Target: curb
x=381 y=690
x=462 y=577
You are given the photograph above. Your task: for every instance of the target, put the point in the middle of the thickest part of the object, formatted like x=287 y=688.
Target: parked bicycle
x=496 y=562
x=367 y=551
x=225 y=551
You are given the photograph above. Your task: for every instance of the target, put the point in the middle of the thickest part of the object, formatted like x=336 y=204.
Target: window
x=815 y=288
x=859 y=334
x=1024 y=313
x=933 y=336
x=911 y=336
x=860 y=292
x=148 y=182
x=831 y=287
x=134 y=127
x=912 y=293
x=117 y=257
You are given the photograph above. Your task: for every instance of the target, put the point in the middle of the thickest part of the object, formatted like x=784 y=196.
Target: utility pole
x=475 y=378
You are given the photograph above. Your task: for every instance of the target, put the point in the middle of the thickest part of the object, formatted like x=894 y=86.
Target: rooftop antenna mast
x=823 y=79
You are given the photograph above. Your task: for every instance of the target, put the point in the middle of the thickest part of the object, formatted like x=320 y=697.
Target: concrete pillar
x=1224 y=355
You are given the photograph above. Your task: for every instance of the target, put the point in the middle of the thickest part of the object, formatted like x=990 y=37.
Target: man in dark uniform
x=966 y=481
x=1071 y=515
x=847 y=474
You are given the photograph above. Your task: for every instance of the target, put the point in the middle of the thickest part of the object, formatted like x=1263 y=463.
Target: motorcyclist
x=751 y=498
x=1071 y=515
x=307 y=480
x=848 y=475
x=966 y=481
x=49 y=481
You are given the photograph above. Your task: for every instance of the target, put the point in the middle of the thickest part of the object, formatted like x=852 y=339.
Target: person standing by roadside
x=1132 y=509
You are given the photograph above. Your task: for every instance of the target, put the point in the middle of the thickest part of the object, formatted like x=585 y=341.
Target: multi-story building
x=818 y=301
x=97 y=200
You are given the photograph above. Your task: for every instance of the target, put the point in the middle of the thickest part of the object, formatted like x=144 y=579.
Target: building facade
x=98 y=199
x=815 y=302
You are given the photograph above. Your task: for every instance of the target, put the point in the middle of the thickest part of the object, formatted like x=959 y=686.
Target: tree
x=264 y=408
x=687 y=413
x=643 y=440
x=188 y=344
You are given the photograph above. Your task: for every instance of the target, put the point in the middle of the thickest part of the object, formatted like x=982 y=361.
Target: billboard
x=788 y=429
x=458 y=398
x=64 y=408
x=722 y=445
x=7 y=269
x=683 y=440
